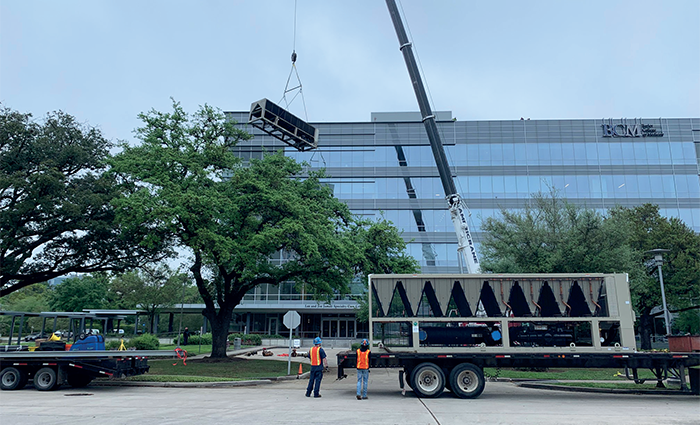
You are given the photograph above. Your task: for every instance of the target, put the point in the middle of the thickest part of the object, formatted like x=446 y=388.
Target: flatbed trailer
x=429 y=374
x=50 y=369
x=442 y=330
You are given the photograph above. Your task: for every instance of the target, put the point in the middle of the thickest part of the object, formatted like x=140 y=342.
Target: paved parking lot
x=284 y=403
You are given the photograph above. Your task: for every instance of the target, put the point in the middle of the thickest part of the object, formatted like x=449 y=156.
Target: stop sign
x=292 y=319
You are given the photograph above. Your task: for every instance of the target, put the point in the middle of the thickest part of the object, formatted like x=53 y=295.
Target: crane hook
x=294 y=56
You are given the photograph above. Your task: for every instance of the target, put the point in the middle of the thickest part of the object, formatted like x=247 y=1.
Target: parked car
x=118 y=331
x=65 y=334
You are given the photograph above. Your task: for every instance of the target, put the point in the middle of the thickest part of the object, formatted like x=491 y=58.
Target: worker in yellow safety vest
x=362 y=369
x=318 y=363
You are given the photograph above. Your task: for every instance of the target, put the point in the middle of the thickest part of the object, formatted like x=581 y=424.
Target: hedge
x=205 y=339
x=144 y=342
x=247 y=339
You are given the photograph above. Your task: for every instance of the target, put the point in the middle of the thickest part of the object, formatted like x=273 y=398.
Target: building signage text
x=637 y=129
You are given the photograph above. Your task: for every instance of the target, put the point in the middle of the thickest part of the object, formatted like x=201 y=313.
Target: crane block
x=282 y=125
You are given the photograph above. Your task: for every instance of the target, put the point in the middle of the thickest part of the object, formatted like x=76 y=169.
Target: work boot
x=364 y=398
x=359 y=398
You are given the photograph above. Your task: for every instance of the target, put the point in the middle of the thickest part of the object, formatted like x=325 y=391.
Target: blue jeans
x=314 y=381
x=362 y=378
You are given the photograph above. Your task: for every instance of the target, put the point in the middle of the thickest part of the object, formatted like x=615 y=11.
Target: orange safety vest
x=362 y=359
x=315 y=356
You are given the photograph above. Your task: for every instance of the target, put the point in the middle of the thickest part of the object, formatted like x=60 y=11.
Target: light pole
x=658 y=261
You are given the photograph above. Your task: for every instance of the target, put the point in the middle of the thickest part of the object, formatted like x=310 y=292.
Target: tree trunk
x=219 y=322
x=646 y=327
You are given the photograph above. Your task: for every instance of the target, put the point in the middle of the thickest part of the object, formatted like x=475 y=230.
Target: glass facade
x=386 y=167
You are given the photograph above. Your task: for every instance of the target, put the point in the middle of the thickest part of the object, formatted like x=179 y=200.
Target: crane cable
x=298 y=86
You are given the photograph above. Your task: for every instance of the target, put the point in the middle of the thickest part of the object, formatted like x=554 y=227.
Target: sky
x=105 y=62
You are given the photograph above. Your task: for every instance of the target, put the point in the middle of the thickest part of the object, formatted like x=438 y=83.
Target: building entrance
x=338 y=328
x=272 y=325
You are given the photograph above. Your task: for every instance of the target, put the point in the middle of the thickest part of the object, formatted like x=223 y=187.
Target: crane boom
x=454 y=200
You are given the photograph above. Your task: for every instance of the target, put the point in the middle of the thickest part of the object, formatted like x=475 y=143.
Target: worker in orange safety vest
x=362 y=369
x=318 y=363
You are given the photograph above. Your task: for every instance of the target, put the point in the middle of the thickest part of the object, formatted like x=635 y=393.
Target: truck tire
x=428 y=380
x=467 y=381
x=79 y=380
x=45 y=379
x=12 y=378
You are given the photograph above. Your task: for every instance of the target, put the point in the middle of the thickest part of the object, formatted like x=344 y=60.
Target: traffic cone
x=300 y=370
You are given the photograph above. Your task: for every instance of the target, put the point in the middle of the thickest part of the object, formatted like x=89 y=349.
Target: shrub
x=145 y=342
x=247 y=339
x=200 y=339
x=355 y=346
x=277 y=336
x=112 y=345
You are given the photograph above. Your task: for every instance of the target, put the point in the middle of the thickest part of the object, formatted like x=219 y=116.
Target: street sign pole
x=291 y=320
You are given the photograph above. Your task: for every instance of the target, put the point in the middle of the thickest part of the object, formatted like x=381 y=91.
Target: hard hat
x=317 y=341
x=365 y=342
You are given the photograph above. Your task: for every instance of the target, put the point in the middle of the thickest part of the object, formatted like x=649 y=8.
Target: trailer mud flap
x=694 y=375
x=401 y=382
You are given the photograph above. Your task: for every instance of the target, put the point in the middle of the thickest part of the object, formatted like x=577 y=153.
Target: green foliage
x=687 y=322
x=81 y=292
x=189 y=186
x=681 y=268
x=383 y=252
x=34 y=298
x=551 y=235
x=151 y=289
x=205 y=339
x=56 y=217
x=247 y=339
x=144 y=342
x=112 y=345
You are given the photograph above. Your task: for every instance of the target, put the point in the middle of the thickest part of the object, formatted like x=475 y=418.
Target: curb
x=220 y=384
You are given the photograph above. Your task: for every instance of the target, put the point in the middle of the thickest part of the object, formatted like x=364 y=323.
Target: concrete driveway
x=283 y=402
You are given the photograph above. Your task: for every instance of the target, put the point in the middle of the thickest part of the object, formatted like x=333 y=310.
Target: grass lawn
x=236 y=369
x=192 y=350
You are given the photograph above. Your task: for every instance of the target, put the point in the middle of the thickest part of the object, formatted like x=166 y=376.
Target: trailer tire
x=428 y=380
x=79 y=380
x=12 y=378
x=45 y=379
x=467 y=381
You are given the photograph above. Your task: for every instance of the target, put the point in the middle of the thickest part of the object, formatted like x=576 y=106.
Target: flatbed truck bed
x=50 y=369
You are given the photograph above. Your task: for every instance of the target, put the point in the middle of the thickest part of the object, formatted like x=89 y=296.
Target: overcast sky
x=106 y=61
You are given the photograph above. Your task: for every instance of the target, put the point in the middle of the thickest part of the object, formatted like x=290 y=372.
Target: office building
x=385 y=167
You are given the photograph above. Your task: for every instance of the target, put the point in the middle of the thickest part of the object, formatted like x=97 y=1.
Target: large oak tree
x=55 y=211
x=234 y=219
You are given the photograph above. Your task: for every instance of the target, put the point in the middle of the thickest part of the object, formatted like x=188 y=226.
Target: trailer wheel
x=12 y=378
x=467 y=381
x=45 y=379
x=79 y=380
x=428 y=380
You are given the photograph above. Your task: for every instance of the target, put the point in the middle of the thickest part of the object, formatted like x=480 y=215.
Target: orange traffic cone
x=300 y=370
